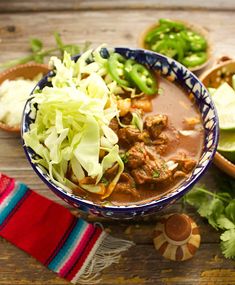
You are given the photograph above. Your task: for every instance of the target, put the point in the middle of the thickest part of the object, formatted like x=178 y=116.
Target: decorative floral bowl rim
x=167 y=67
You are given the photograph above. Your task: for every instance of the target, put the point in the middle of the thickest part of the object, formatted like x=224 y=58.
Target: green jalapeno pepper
x=127 y=68
x=170 y=47
x=164 y=48
x=194 y=59
x=144 y=79
x=156 y=34
x=182 y=43
x=129 y=73
x=172 y=24
x=115 y=67
x=175 y=40
x=196 y=42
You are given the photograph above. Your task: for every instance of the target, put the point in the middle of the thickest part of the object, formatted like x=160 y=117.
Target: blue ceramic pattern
x=167 y=67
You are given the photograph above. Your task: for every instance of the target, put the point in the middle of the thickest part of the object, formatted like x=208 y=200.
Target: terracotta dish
x=193 y=27
x=27 y=71
x=222 y=71
x=177 y=237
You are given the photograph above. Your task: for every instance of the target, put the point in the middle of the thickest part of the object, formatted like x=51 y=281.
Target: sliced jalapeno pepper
x=194 y=59
x=144 y=79
x=115 y=66
x=170 y=47
x=156 y=34
x=172 y=24
x=196 y=42
x=127 y=68
x=183 y=43
x=199 y=44
x=164 y=48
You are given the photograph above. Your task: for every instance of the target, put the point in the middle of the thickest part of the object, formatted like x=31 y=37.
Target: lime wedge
x=212 y=90
x=224 y=99
x=224 y=95
x=227 y=117
x=227 y=145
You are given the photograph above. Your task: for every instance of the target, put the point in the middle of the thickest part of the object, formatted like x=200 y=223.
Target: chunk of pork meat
x=151 y=172
x=130 y=135
x=161 y=143
x=155 y=124
x=126 y=184
x=146 y=165
x=136 y=155
x=114 y=125
x=185 y=164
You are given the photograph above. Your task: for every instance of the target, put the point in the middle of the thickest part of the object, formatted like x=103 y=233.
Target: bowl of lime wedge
x=220 y=81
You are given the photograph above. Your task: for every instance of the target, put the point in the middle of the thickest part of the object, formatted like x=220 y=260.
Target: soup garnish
x=102 y=131
x=129 y=73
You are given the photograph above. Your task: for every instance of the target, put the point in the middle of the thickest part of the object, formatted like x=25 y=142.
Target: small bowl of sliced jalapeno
x=185 y=42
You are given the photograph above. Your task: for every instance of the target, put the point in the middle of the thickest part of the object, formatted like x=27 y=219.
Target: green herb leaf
x=59 y=42
x=38 y=58
x=72 y=49
x=197 y=198
x=156 y=174
x=230 y=211
x=224 y=196
x=105 y=181
x=36 y=45
x=228 y=243
x=224 y=223
x=215 y=209
x=219 y=209
x=206 y=207
x=124 y=157
x=38 y=54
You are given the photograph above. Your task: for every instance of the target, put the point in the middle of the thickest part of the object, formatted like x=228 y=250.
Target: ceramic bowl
x=221 y=72
x=27 y=71
x=196 y=28
x=181 y=75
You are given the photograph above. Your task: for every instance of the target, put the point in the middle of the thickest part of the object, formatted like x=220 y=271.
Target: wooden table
x=115 y=23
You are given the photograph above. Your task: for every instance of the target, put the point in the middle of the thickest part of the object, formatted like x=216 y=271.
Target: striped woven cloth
x=69 y=246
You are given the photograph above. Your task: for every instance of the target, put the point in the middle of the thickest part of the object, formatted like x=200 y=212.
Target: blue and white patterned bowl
x=185 y=78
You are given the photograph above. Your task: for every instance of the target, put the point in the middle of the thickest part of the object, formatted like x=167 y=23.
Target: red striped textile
x=46 y=230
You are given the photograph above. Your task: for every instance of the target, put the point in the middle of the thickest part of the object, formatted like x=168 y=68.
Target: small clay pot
x=214 y=77
x=27 y=71
x=177 y=237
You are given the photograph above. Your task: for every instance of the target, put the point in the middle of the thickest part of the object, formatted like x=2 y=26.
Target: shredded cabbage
x=72 y=124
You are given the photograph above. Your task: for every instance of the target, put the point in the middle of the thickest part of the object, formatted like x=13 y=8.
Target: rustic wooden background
x=117 y=23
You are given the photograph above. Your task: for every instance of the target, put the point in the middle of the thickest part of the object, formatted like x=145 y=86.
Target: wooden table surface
x=115 y=23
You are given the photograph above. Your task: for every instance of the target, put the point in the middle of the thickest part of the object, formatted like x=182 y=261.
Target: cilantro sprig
x=219 y=209
x=38 y=53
